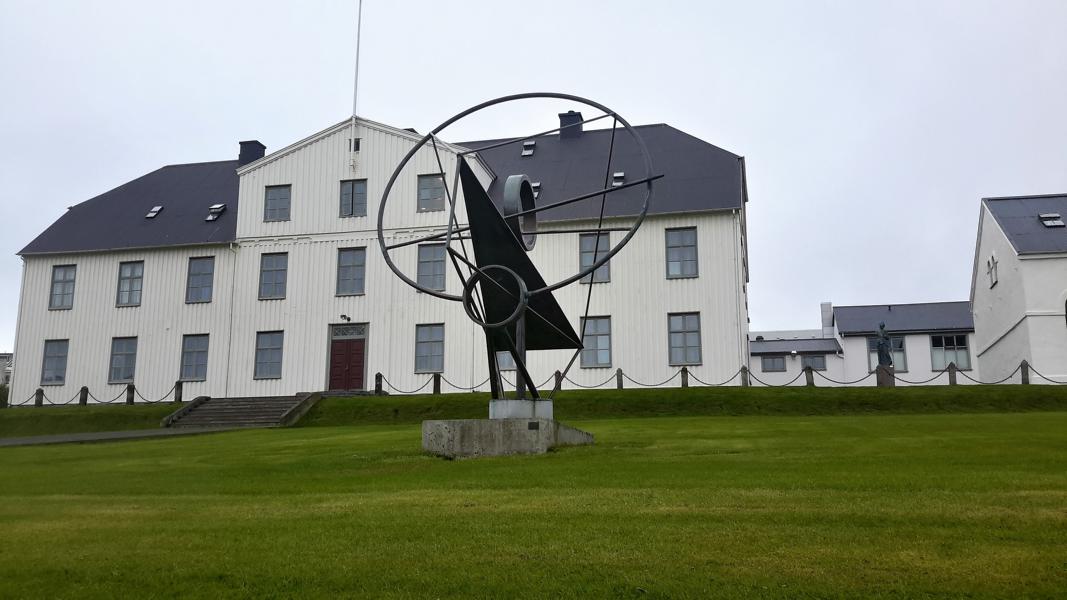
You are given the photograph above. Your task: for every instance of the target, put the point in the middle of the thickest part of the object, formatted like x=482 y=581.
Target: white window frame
x=128 y=360
x=200 y=280
x=685 y=332
x=587 y=256
x=273 y=270
x=357 y=271
x=426 y=348
x=60 y=278
x=430 y=204
x=591 y=353
x=131 y=276
x=356 y=207
x=58 y=362
x=776 y=357
x=273 y=209
x=684 y=249
x=264 y=356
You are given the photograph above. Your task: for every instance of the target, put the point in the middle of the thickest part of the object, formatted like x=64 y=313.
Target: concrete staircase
x=279 y=411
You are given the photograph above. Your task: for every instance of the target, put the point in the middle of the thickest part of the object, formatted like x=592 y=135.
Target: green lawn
x=25 y=421
x=922 y=505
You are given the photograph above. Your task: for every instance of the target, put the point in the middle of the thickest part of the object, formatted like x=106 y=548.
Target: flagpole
x=355 y=79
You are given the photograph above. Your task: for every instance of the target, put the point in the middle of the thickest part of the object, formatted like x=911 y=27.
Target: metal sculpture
x=503 y=292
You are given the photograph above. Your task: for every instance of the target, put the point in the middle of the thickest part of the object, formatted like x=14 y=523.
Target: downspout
x=229 y=328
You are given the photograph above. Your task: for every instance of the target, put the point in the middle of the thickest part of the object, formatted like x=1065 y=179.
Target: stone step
x=239 y=412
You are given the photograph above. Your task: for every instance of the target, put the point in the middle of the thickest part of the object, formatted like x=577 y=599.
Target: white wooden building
x=263 y=276
x=926 y=337
x=1018 y=287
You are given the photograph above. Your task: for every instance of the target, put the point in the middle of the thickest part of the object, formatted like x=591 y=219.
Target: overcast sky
x=871 y=130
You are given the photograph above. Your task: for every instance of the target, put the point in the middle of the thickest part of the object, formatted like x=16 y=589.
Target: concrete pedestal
x=884 y=375
x=520 y=409
x=462 y=438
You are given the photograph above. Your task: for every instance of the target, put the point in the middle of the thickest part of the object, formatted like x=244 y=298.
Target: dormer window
x=618 y=178
x=528 y=147
x=536 y=189
x=214 y=211
x=1051 y=220
x=152 y=213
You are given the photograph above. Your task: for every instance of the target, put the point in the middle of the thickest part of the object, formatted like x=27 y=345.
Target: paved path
x=107 y=436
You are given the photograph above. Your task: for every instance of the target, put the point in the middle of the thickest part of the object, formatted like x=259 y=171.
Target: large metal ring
x=468 y=301
x=519 y=196
x=603 y=258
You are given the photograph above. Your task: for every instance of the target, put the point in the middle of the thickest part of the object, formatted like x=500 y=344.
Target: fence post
x=809 y=377
x=559 y=382
x=1024 y=370
x=436 y=383
x=377 y=384
x=4 y=400
x=38 y=397
x=744 y=377
x=83 y=395
x=952 y=373
x=178 y=392
x=685 y=376
x=618 y=378
x=129 y=393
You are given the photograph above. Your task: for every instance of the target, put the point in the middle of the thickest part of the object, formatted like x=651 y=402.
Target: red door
x=346 y=364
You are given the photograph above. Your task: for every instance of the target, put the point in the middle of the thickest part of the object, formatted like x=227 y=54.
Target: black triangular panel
x=547 y=328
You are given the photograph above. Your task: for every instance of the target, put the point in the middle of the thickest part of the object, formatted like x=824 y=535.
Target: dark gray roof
x=901 y=318
x=697 y=175
x=1018 y=217
x=116 y=219
x=801 y=346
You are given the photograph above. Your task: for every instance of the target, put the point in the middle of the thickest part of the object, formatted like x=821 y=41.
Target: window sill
x=198 y=302
x=193 y=380
x=683 y=276
x=351 y=216
x=428 y=372
x=595 y=282
x=61 y=308
x=350 y=295
x=429 y=210
x=594 y=366
x=127 y=305
x=266 y=378
x=53 y=384
x=123 y=382
x=276 y=220
x=274 y=298
x=680 y=365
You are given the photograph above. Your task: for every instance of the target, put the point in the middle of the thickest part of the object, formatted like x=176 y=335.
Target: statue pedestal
x=520 y=409
x=513 y=427
x=884 y=375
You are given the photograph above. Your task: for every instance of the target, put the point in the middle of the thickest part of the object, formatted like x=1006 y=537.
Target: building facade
x=263 y=276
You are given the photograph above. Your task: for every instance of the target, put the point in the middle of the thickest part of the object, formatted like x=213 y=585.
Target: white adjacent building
x=926 y=337
x=1018 y=287
x=262 y=276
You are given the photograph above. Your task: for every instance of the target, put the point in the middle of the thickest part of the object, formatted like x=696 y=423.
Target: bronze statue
x=885 y=347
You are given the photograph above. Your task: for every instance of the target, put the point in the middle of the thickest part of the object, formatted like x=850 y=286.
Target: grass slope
x=595 y=404
x=48 y=420
x=874 y=506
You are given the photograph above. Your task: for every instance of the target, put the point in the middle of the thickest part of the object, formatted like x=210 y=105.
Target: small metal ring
x=468 y=300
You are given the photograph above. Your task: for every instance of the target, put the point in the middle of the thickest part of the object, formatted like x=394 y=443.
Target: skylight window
x=536 y=189
x=618 y=178
x=152 y=213
x=1051 y=220
x=528 y=147
x=214 y=211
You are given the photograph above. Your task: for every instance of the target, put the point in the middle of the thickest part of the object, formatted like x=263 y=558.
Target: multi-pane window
x=199 y=282
x=269 y=355
x=194 y=358
x=682 y=252
x=123 y=360
x=272 y=275
x=947 y=349
x=431 y=193
x=817 y=362
x=351 y=271
x=431 y=273
x=900 y=359
x=54 y=369
x=684 y=333
x=596 y=342
x=505 y=361
x=592 y=246
x=772 y=364
x=430 y=348
x=276 y=203
x=354 y=198
x=62 y=293
x=131 y=274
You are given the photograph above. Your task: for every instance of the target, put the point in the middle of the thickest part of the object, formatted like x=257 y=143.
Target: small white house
x=926 y=337
x=1019 y=286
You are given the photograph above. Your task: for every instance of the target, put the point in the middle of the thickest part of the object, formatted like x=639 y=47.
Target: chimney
x=827 y=310
x=251 y=150
x=570 y=118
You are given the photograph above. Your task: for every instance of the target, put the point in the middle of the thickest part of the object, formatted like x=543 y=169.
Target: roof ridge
x=193 y=164
x=902 y=304
x=1026 y=197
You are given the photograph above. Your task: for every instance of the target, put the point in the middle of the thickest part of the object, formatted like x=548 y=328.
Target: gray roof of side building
x=904 y=318
x=698 y=176
x=800 y=345
x=116 y=220
x=1018 y=217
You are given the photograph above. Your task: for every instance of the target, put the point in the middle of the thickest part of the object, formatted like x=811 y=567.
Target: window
x=272 y=273
x=431 y=193
x=268 y=355
x=194 y=358
x=900 y=359
x=431 y=272
x=131 y=275
x=505 y=361
x=54 y=369
x=62 y=295
x=772 y=364
x=596 y=339
x=684 y=333
x=681 y=253
x=354 y=198
x=947 y=349
x=590 y=248
x=817 y=362
x=351 y=268
x=276 y=203
x=430 y=348
x=123 y=360
x=198 y=283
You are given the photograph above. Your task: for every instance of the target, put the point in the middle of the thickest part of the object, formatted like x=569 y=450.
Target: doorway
x=348 y=357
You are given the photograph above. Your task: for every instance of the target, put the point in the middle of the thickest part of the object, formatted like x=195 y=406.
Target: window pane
x=272 y=275
x=199 y=283
x=130 y=276
x=681 y=252
x=61 y=295
x=123 y=360
x=350 y=271
x=597 y=342
x=431 y=193
x=431 y=268
x=194 y=358
x=268 y=355
x=276 y=203
x=429 y=348
x=354 y=198
x=54 y=370
x=684 y=335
